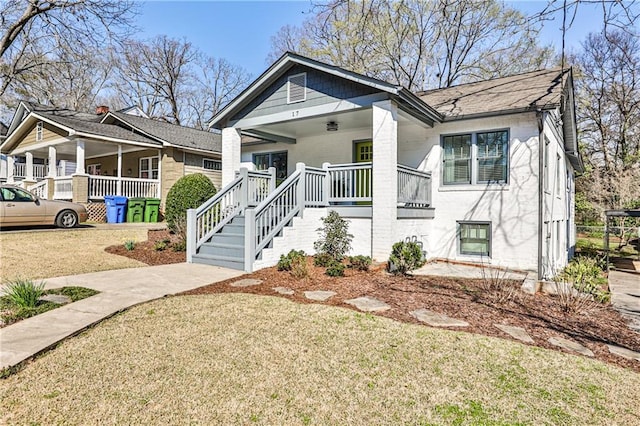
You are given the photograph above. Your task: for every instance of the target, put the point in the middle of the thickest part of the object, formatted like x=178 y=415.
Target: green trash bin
x=135 y=210
x=151 y=209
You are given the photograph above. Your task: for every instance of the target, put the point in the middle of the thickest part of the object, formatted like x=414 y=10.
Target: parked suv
x=19 y=207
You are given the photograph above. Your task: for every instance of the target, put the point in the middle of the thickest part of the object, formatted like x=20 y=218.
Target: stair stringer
x=300 y=235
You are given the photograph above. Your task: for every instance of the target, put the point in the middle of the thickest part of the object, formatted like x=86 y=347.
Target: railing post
x=249 y=239
x=301 y=190
x=192 y=236
x=244 y=188
x=327 y=184
x=272 y=179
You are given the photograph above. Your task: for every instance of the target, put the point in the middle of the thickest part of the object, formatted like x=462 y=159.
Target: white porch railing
x=20 y=170
x=349 y=182
x=63 y=188
x=40 y=189
x=247 y=188
x=414 y=187
x=101 y=186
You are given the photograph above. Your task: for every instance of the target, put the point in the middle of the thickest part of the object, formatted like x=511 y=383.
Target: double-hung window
x=149 y=168
x=475 y=158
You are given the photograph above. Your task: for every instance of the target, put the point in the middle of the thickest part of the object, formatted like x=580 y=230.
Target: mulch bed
x=466 y=299
x=145 y=252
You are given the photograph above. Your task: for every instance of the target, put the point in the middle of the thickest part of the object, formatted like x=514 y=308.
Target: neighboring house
x=480 y=172
x=65 y=154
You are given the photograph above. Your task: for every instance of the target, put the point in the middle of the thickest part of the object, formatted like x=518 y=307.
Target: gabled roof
x=290 y=59
x=167 y=133
x=135 y=129
x=523 y=92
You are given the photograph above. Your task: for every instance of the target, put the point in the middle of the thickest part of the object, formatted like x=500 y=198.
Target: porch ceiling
x=300 y=128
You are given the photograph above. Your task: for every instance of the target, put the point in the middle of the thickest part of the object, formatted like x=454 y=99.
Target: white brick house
x=477 y=172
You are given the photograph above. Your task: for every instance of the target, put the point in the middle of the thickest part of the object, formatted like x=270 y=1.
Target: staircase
x=225 y=248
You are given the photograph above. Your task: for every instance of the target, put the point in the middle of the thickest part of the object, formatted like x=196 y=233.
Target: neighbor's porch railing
x=101 y=186
x=40 y=189
x=63 y=188
x=20 y=170
x=414 y=187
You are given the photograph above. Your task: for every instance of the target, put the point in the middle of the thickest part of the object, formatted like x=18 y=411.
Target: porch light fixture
x=332 y=126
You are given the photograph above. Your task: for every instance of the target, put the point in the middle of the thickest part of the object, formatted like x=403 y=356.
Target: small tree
x=405 y=257
x=335 y=239
x=189 y=192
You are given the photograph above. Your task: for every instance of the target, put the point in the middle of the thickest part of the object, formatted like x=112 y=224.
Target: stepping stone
x=368 y=304
x=247 y=282
x=436 y=319
x=319 y=295
x=284 y=290
x=60 y=299
x=515 y=332
x=570 y=346
x=623 y=352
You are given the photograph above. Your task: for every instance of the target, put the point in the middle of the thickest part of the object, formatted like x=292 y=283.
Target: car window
x=16 y=194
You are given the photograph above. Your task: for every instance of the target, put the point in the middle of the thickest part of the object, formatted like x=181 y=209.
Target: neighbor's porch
x=87 y=170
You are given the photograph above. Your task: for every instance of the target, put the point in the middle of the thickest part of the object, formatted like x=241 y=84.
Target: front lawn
x=247 y=359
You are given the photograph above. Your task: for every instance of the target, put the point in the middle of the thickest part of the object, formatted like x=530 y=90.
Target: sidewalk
x=625 y=296
x=119 y=290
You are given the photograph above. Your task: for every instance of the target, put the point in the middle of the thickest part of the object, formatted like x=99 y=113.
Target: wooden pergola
x=616 y=213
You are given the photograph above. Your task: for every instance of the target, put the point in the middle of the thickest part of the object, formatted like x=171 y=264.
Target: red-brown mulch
x=466 y=299
x=461 y=298
x=145 y=252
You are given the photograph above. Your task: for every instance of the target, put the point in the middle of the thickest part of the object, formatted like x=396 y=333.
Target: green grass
x=246 y=359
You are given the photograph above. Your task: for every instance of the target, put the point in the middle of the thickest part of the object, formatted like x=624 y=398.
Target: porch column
x=159 y=190
x=384 y=179
x=230 y=154
x=80 y=169
x=29 y=165
x=53 y=170
x=11 y=168
x=119 y=183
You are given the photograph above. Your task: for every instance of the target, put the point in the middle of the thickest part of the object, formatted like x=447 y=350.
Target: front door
x=364 y=154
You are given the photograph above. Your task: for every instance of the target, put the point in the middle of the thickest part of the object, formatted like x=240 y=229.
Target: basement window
x=297 y=88
x=474 y=238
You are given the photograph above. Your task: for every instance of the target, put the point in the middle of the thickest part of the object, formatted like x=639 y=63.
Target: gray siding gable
x=322 y=89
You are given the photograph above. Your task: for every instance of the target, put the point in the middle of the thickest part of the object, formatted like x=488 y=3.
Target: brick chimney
x=102 y=109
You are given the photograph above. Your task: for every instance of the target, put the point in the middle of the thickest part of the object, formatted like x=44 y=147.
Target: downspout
x=540 y=116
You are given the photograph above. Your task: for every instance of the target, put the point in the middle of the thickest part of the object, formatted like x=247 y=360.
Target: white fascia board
x=285 y=61
x=116 y=140
x=314 y=111
x=27 y=122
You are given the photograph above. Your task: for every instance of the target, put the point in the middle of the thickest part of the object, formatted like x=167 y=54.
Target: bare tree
x=418 y=43
x=609 y=117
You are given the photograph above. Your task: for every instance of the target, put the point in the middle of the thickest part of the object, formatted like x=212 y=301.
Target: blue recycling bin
x=116 y=207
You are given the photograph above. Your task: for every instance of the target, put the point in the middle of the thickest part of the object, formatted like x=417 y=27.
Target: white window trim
x=151 y=169
x=304 y=98
x=213 y=160
x=474 y=162
x=39 y=131
x=93 y=166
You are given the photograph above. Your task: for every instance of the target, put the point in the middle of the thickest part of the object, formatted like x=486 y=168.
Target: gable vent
x=297 y=88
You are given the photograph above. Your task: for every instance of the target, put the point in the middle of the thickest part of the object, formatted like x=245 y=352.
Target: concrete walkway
x=625 y=296
x=447 y=269
x=119 y=290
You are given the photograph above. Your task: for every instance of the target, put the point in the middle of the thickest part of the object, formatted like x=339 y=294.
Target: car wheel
x=67 y=219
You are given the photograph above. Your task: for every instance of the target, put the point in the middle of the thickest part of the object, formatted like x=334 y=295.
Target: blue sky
x=240 y=31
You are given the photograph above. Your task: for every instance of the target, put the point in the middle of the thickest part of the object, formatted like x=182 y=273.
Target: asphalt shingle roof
x=529 y=91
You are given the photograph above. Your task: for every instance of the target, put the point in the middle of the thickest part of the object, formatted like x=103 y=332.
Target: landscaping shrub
x=286 y=261
x=335 y=239
x=161 y=245
x=129 y=245
x=405 y=257
x=360 y=263
x=581 y=284
x=299 y=267
x=179 y=246
x=189 y=192
x=335 y=269
x=24 y=293
x=323 y=259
